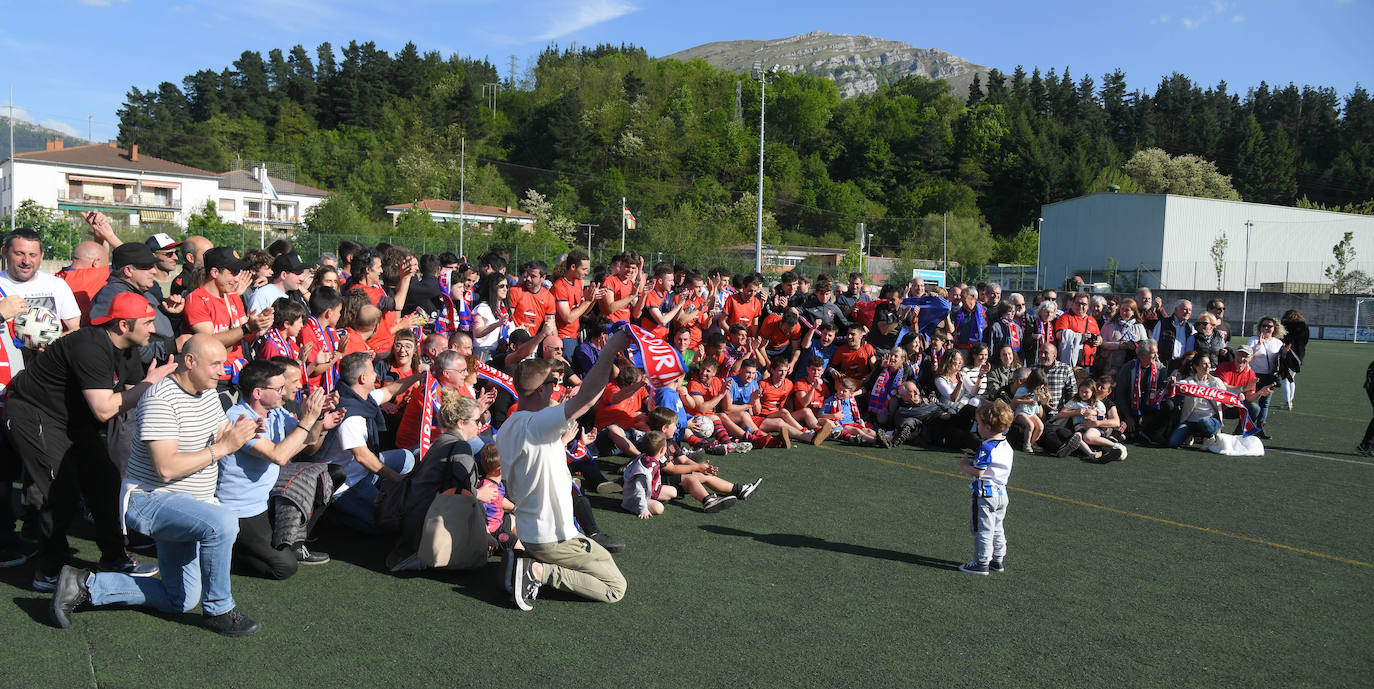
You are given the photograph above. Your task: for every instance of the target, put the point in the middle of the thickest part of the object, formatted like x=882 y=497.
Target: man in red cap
x=54 y=414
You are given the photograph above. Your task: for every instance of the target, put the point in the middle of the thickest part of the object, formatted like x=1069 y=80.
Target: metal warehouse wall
x=1166 y=241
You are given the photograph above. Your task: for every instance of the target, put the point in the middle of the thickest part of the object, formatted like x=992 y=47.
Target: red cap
x=126 y=305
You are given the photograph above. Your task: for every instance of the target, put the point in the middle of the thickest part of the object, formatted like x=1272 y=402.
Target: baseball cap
x=132 y=254
x=161 y=241
x=126 y=305
x=289 y=262
x=1243 y=350
x=224 y=258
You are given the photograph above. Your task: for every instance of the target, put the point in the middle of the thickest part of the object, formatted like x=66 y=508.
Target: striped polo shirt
x=168 y=412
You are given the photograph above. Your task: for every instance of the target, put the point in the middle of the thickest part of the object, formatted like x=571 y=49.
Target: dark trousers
x=1054 y=437
x=253 y=551
x=63 y=468
x=1369 y=430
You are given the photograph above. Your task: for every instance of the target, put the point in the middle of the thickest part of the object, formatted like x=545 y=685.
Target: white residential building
x=130 y=188
x=241 y=200
x=481 y=216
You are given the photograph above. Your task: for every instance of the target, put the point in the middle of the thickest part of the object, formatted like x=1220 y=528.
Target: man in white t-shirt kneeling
x=535 y=468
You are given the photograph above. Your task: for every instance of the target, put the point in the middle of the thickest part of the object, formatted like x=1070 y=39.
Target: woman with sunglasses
x=492 y=316
x=1266 y=347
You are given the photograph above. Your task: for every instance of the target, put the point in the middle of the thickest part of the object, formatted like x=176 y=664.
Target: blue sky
x=68 y=59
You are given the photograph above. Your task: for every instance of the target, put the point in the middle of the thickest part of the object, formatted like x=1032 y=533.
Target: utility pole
x=490 y=90
x=1039 y=229
x=589 y=227
x=90 y=120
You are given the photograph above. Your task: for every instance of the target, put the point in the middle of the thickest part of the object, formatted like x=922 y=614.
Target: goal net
x=1364 y=319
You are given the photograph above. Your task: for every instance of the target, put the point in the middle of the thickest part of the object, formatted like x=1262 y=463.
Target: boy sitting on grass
x=698 y=479
x=990 y=468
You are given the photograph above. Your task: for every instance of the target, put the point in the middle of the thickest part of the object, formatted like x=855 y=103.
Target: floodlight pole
x=1245 y=280
x=12 y=166
x=1039 y=228
x=462 y=187
x=758 y=230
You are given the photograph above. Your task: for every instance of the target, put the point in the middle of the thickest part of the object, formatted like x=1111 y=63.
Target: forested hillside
x=585 y=128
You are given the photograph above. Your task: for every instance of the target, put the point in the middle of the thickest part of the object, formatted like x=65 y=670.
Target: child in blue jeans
x=990 y=468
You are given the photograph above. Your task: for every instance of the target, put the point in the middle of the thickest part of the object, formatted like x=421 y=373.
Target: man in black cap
x=288 y=272
x=134 y=268
x=215 y=308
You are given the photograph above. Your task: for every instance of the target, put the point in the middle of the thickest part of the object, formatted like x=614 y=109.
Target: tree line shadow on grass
x=787 y=540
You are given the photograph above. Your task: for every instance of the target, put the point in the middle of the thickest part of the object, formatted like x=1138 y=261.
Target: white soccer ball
x=37 y=328
x=701 y=426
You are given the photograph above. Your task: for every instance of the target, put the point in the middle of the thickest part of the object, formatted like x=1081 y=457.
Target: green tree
x=1264 y=165
x=1159 y=173
x=336 y=215
x=1339 y=272
x=207 y=223
x=59 y=232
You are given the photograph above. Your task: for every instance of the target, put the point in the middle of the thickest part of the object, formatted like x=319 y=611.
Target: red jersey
x=853 y=363
x=382 y=339
x=529 y=309
x=571 y=293
x=222 y=313
x=619 y=289
x=706 y=391
x=772 y=397
x=1081 y=325
x=1229 y=374
x=309 y=336
x=356 y=343
x=85 y=282
x=776 y=334
x=808 y=396
x=743 y=311
x=662 y=301
x=697 y=319
x=625 y=413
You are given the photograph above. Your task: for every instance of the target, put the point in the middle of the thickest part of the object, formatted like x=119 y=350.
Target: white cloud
x=1237 y=19
x=63 y=127
x=574 y=16
x=1190 y=24
x=1161 y=19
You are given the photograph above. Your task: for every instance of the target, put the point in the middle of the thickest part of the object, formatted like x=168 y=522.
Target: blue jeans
x=195 y=543
x=1208 y=427
x=354 y=509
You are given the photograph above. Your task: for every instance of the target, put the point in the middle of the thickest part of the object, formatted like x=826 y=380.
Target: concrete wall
x=1329 y=316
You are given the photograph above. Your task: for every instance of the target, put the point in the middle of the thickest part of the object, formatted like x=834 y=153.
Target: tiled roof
x=442 y=206
x=107 y=156
x=243 y=180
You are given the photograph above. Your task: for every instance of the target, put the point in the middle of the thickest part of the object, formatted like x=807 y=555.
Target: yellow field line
x=1128 y=513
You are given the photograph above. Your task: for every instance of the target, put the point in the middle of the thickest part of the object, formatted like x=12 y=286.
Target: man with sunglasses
x=247 y=476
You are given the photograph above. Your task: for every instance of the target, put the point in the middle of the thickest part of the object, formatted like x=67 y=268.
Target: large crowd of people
x=466 y=408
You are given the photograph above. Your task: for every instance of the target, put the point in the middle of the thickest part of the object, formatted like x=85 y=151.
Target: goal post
x=1364 y=319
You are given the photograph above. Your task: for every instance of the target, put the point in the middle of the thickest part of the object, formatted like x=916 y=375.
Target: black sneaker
x=748 y=489
x=974 y=567
x=996 y=566
x=715 y=503
x=1262 y=435
x=16 y=550
x=71 y=591
x=1070 y=446
x=526 y=585
x=305 y=557
x=128 y=564
x=718 y=449
x=880 y=439
x=610 y=544
x=696 y=455
x=232 y=623
x=1361 y=449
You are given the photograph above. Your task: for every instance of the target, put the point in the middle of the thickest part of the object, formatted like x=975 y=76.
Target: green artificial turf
x=842 y=572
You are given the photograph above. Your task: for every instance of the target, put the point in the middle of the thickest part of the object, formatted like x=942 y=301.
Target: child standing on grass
x=990 y=468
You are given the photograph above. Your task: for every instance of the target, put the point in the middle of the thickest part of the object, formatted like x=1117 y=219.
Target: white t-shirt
x=350 y=434
x=45 y=290
x=1264 y=354
x=534 y=466
x=484 y=315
